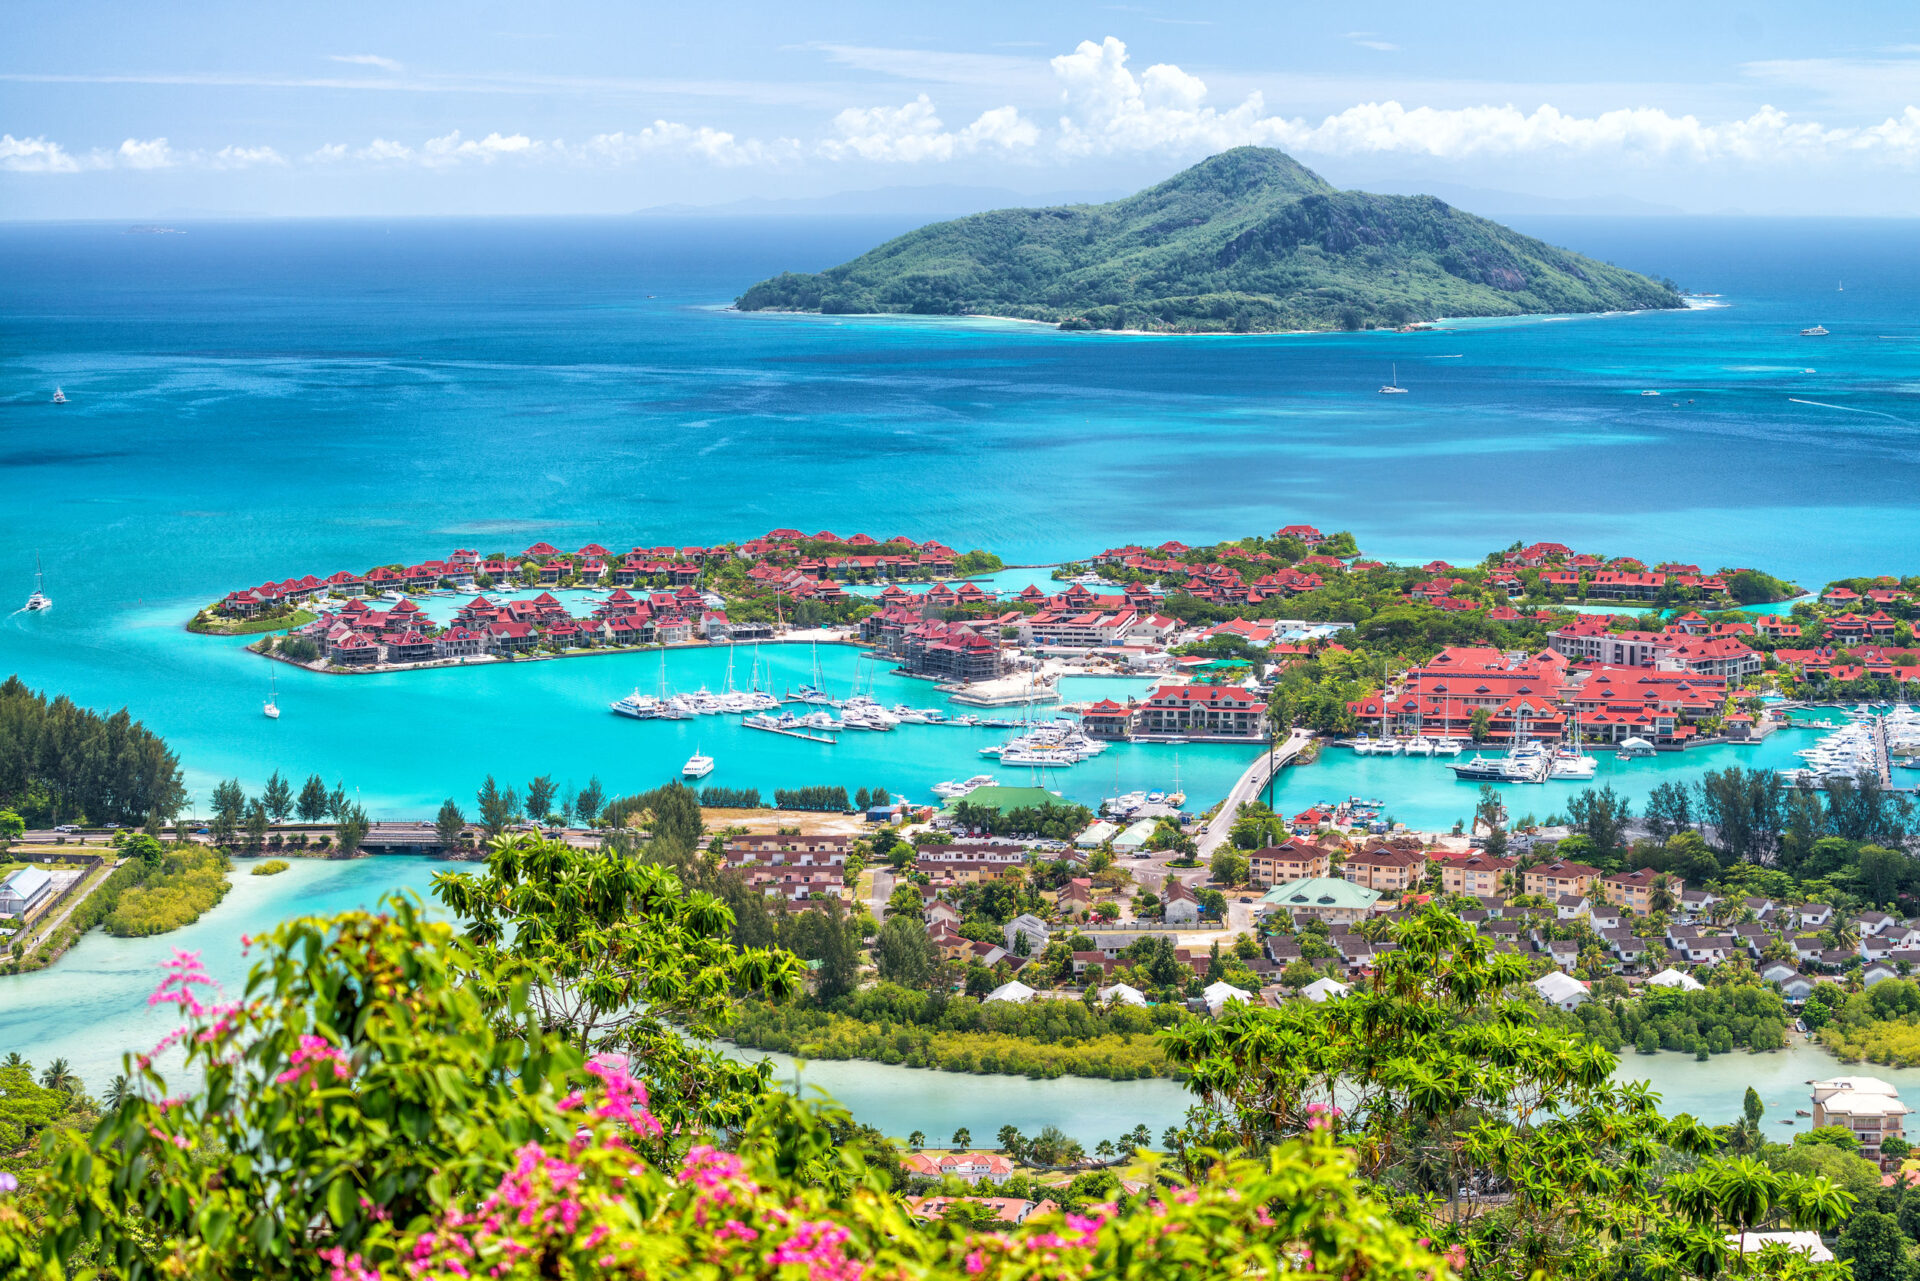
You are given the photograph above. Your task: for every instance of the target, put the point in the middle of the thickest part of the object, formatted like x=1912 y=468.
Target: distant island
x=1247 y=241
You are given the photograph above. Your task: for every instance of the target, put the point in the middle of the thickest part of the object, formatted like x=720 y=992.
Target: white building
x=1866 y=1105
x=25 y=890
x=1561 y=990
x=1016 y=991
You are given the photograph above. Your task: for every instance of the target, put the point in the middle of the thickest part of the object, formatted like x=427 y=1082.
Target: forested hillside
x=1246 y=241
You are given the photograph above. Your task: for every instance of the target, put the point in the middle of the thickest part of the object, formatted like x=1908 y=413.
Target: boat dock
x=790 y=732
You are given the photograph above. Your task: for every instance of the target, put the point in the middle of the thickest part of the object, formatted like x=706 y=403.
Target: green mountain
x=1248 y=240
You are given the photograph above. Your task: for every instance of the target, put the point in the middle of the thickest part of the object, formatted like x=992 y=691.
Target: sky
x=412 y=107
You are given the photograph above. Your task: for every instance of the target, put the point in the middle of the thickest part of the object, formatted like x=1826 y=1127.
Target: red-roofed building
x=1204 y=711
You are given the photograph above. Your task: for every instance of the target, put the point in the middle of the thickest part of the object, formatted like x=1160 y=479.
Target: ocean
x=253 y=400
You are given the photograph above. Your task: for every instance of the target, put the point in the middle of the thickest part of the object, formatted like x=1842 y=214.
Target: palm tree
x=963 y=1137
x=13 y=1060
x=1661 y=898
x=119 y=1090
x=59 y=1076
x=916 y=1140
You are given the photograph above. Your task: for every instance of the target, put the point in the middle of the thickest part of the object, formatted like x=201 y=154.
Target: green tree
x=540 y=794
x=587 y=805
x=614 y=952
x=1601 y=815
x=229 y=807
x=278 y=798
x=256 y=826
x=59 y=1076
x=349 y=830
x=1480 y=725
x=917 y=1140
x=904 y=954
x=312 y=804
x=12 y=826
x=1876 y=1248
x=450 y=825
x=498 y=808
x=963 y=1137
x=1229 y=866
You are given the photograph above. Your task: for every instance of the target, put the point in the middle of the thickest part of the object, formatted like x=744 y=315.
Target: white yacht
x=1818 y=331
x=1394 y=388
x=958 y=788
x=697 y=766
x=1419 y=745
x=637 y=705
x=1448 y=747
x=59 y=397
x=1573 y=765
x=272 y=707
x=39 y=600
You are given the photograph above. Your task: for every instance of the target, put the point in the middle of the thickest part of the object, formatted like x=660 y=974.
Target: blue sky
x=140 y=110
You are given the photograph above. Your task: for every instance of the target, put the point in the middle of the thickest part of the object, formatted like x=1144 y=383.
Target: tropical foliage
x=186 y=882
x=60 y=762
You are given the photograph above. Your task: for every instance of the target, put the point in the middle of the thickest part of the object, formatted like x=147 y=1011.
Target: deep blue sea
x=254 y=400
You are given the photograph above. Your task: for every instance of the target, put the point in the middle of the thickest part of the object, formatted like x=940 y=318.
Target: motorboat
x=1649 y=393
x=1489 y=769
x=1817 y=331
x=955 y=789
x=637 y=705
x=697 y=766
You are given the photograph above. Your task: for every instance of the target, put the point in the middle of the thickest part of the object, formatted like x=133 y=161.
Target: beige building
x=1865 y=1105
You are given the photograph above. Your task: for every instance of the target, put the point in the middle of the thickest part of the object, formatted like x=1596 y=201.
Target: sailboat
x=59 y=397
x=1841 y=288
x=1394 y=388
x=272 y=707
x=38 y=600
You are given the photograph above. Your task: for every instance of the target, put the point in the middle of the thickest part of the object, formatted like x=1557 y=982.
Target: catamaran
x=1394 y=388
x=38 y=600
x=697 y=766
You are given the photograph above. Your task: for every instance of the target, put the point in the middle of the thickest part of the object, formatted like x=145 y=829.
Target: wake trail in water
x=1849 y=409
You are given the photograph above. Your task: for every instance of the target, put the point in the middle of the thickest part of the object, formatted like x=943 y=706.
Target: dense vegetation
x=505 y=1055
x=272 y=867
x=61 y=763
x=889 y=1023
x=1880 y=1025
x=185 y=883
x=1713 y=1021
x=1248 y=240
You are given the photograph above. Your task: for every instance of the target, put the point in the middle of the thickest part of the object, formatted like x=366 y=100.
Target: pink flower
x=312 y=1052
x=976 y=1263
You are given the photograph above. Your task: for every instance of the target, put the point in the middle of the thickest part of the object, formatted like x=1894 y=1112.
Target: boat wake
x=1849 y=409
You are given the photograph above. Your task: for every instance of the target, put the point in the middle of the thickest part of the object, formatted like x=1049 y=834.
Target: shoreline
x=1439 y=324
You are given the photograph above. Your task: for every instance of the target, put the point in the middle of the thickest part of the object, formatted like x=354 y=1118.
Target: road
x=42 y=930
x=1248 y=789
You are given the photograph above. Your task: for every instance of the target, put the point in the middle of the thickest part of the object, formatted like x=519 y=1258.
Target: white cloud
x=367 y=60
x=1379 y=46
x=1109 y=110
x=154 y=153
x=667 y=137
x=245 y=157
x=914 y=132
x=35 y=155
x=451 y=148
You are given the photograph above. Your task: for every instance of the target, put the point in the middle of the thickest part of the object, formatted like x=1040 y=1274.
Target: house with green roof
x=1329 y=898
